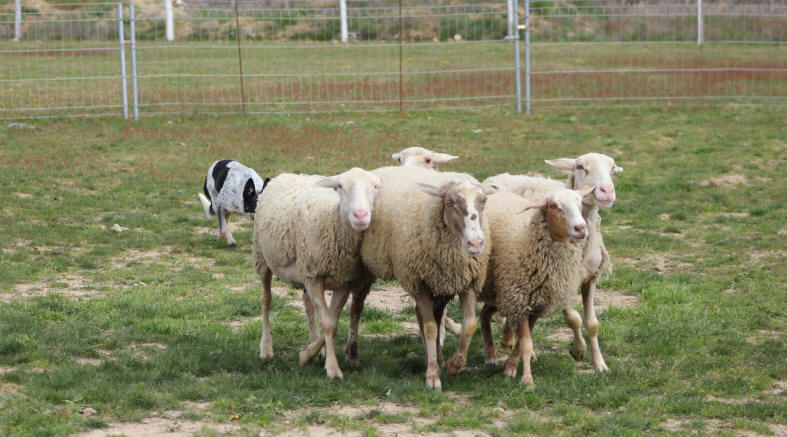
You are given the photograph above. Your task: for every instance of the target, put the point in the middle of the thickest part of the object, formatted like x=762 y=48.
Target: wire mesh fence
x=624 y=54
x=288 y=56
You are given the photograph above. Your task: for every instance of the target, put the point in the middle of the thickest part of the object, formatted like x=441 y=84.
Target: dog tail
x=205 y=201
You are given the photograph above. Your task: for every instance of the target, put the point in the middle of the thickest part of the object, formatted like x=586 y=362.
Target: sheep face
x=420 y=157
x=563 y=211
x=592 y=169
x=463 y=207
x=357 y=190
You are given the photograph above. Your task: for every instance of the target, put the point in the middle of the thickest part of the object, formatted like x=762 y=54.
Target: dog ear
x=249 y=189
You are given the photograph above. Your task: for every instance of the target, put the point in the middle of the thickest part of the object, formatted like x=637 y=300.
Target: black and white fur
x=230 y=187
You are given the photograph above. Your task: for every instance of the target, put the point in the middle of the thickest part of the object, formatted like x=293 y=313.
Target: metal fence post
x=511 y=21
x=122 y=60
x=18 y=20
x=343 y=19
x=699 y=22
x=133 y=36
x=170 y=21
x=527 y=56
x=517 y=69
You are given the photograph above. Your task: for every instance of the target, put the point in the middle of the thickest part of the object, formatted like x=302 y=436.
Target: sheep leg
x=438 y=308
x=574 y=321
x=266 y=341
x=429 y=330
x=359 y=294
x=316 y=289
x=531 y=324
x=591 y=325
x=314 y=329
x=524 y=331
x=457 y=362
x=490 y=353
x=507 y=338
x=513 y=358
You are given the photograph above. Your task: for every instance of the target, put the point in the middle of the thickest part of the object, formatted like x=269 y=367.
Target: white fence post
x=18 y=21
x=514 y=4
x=343 y=19
x=170 y=20
x=699 y=22
x=527 y=56
x=133 y=36
x=122 y=44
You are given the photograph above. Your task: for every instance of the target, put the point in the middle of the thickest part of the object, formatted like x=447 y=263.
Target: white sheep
x=590 y=169
x=309 y=236
x=420 y=157
x=430 y=236
x=534 y=267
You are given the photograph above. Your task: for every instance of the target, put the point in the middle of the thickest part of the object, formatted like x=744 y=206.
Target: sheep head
x=563 y=211
x=591 y=169
x=420 y=157
x=463 y=207
x=357 y=190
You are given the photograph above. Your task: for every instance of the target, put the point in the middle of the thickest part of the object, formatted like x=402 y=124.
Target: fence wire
x=291 y=56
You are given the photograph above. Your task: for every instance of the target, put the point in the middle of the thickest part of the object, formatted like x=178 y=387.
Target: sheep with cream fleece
x=308 y=234
x=590 y=169
x=419 y=157
x=534 y=267
x=429 y=234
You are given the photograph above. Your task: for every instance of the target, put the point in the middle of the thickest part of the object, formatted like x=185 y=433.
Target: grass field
x=156 y=329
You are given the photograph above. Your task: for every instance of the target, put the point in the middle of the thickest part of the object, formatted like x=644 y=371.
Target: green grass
x=162 y=318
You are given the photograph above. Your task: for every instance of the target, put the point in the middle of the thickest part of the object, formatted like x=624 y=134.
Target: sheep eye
x=553 y=206
x=449 y=203
x=339 y=187
x=428 y=160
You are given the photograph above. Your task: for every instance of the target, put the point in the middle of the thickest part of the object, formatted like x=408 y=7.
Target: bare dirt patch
x=726 y=181
x=71 y=286
x=160 y=427
x=778 y=388
x=89 y=361
x=159 y=256
x=390 y=298
x=23 y=195
x=732 y=214
x=562 y=334
x=661 y=262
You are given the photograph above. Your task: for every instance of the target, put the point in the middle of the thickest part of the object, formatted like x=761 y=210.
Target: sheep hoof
x=577 y=351
x=601 y=367
x=490 y=357
x=232 y=243
x=528 y=381
x=455 y=365
x=434 y=383
x=351 y=353
x=303 y=358
x=334 y=373
x=510 y=372
x=533 y=356
x=507 y=342
x=266 y=352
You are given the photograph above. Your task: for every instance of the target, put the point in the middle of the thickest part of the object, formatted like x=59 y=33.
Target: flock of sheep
x=521 y=245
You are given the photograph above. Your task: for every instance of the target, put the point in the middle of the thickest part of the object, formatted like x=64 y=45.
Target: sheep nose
x=608 y=190
x=361 y=214
x=580 y=229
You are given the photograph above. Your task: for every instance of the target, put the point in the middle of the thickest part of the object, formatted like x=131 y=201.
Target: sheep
x=309 y=236
x=430 y=236
x=420 y=157
x=590 y=169
x=534 y=265
x=230 y=187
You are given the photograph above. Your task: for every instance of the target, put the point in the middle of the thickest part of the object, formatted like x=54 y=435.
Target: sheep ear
x=441 y=158
x=329 y=182
x=429 y=189
x=586 y=190
x=397 y=157
x=617 y=170
x=248 y=189
x=491 y=189
x=535 y=204
x=565 y=164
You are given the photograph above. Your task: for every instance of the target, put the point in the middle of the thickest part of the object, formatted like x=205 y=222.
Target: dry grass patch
x=73 y=287
x=163 y=427
x=726 y=181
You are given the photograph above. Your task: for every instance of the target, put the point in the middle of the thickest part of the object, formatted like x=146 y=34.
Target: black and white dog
x=230 y=187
